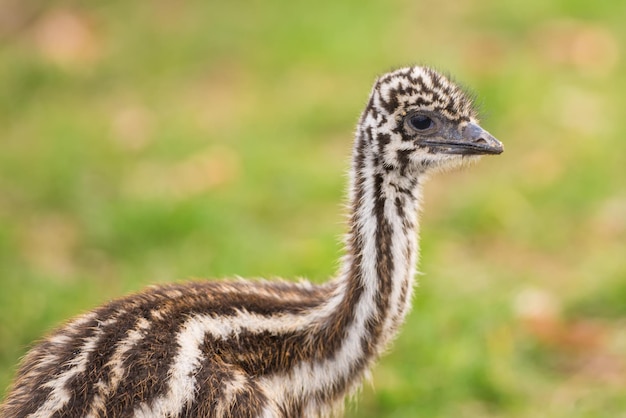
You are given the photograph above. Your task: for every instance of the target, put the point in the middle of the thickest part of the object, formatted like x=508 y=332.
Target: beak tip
x=483 y=139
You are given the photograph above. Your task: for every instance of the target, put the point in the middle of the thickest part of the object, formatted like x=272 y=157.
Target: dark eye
x=421 y=122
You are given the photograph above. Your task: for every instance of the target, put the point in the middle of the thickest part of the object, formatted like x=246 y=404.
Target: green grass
x=162 y=141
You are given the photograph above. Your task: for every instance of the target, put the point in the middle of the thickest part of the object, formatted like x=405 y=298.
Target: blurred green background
x=147 y=142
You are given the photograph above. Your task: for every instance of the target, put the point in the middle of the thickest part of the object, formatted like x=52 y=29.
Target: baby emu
x=270 y=349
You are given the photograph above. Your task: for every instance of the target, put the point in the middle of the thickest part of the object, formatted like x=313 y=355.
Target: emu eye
x=421 y=122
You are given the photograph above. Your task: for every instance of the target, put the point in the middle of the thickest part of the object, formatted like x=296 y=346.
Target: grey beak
x=479 y=141
x=471 y=140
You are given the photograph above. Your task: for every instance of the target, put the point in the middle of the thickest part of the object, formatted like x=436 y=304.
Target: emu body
x=260 y=348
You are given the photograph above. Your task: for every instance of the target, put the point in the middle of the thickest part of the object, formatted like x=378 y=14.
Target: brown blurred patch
x=542 y=167
x=484 y=53
x=67 y=38
x=219 y=99
x=584 y=112
x=49 y=243
x=608 y=222
x=16 y=14
x=584 y=347
x=191 y=177
x=590 y=48
x=132 y=126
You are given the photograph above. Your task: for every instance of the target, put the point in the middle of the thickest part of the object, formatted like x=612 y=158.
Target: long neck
x=378 y=270
x=372 y=293
x=371 y=296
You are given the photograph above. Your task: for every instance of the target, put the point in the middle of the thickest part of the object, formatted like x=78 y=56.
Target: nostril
x=480 y=141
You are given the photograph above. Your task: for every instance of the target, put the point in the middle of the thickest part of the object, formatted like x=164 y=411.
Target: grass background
x=147 y=142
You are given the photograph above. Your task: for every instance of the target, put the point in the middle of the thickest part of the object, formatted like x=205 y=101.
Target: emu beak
x=472 y=140
x=476 y=140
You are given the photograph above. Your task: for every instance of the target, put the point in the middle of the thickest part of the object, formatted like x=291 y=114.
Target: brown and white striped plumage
x=270 y=349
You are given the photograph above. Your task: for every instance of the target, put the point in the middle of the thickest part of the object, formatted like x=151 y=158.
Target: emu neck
x=372 y=293
x=378 y=271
